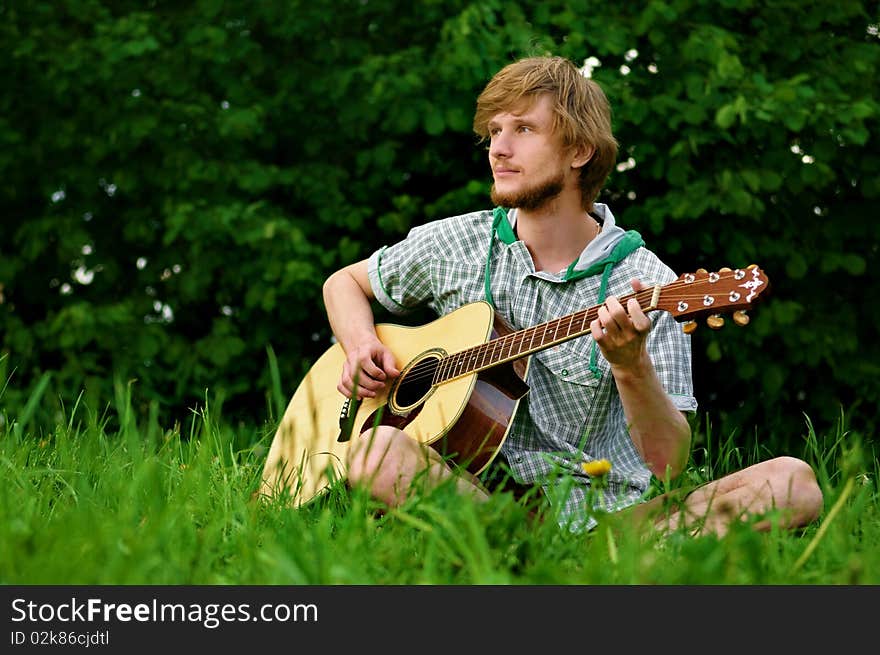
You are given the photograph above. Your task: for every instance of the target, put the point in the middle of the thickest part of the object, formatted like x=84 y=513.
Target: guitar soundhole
x=415 y=384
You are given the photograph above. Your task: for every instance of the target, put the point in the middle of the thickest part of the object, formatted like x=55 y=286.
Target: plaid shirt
x=572 y=413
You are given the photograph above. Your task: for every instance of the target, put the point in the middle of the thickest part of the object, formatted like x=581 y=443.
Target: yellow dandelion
x=597 y=467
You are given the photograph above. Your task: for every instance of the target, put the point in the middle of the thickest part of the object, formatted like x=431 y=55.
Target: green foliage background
x=177 y=180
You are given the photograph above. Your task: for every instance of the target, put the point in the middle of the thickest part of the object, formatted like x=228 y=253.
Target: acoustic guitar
x=461 y=380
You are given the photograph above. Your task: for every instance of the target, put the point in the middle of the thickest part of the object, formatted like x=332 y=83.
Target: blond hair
x=581 y=112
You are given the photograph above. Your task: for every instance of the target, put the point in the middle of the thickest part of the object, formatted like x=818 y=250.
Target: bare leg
x=392 y=465
x=785 y=484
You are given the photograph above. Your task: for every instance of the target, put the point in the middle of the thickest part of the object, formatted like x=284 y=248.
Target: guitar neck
x=525 y=342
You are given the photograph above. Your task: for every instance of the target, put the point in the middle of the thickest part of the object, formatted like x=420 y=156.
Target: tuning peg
x=715 y=321
x=724 y=269
x=702 y=271
x=689 y=327
x=740 y=317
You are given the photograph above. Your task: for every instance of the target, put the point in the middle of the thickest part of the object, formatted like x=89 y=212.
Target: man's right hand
x=366 y=370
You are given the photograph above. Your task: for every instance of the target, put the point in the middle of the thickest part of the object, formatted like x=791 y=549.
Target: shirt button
x=564 y=372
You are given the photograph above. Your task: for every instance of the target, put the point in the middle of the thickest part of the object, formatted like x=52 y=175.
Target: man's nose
x=499 y=145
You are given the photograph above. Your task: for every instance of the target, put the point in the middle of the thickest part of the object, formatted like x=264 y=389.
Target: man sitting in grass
x=545 y=250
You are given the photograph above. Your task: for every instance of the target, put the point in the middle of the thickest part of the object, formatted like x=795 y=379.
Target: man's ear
x=582 y=155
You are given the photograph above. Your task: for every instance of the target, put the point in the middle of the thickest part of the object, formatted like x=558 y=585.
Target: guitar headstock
x=703 y=293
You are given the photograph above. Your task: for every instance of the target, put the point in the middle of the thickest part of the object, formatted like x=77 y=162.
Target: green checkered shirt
x=573 y=413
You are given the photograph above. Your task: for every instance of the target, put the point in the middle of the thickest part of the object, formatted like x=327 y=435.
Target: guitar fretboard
x=525 y=342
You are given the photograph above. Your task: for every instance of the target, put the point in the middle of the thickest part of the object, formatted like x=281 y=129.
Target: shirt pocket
x=455 y=284
x=568 y=386
x=569 y=364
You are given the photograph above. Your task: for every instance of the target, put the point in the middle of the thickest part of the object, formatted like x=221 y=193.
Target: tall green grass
x=105 y=499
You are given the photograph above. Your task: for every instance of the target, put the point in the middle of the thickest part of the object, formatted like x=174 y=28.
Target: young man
x=548 y=250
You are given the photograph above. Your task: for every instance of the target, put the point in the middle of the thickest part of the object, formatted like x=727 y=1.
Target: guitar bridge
x=346 y=419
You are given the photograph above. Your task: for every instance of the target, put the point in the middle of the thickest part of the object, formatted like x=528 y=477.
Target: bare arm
x=369 y=363
x=658 y=429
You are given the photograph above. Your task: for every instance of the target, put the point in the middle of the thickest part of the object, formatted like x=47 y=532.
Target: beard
x=531 y=198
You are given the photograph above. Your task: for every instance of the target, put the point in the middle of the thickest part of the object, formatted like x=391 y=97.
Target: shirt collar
x=596 y=251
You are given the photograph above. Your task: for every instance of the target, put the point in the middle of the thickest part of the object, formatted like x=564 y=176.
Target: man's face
x=529 y=165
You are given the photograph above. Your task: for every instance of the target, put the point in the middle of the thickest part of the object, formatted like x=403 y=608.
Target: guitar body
x=465 y=419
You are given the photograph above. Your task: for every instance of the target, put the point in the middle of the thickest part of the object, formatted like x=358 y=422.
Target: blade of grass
x=277 y=399
x=847 y=489
x=31 y=407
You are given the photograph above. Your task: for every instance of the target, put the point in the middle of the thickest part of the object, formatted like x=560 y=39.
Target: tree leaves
x=218 y=160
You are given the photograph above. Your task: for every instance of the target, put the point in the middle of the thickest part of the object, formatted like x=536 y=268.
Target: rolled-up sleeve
x=400 y=274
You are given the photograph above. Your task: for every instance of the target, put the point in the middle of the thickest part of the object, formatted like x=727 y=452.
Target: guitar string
x=427 y=368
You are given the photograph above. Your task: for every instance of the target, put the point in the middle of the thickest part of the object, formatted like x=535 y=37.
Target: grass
x=105 y=500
